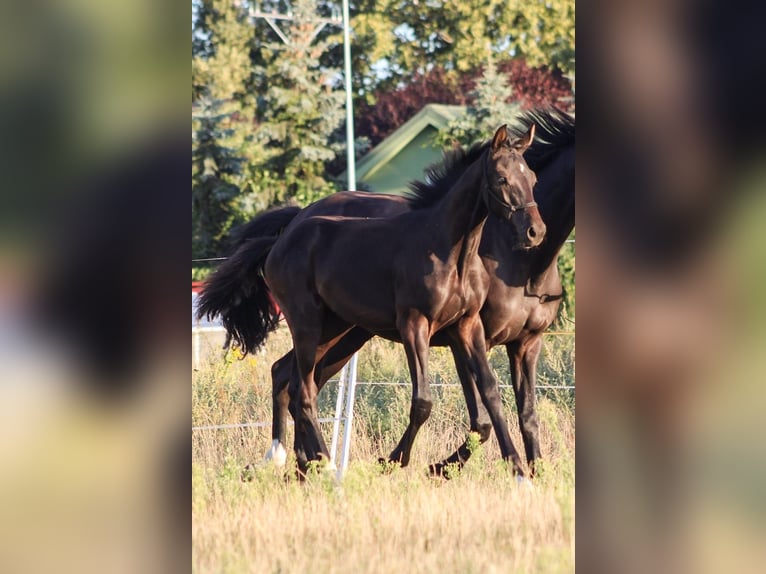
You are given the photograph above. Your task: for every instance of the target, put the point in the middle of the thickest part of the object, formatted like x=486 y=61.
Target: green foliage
x=221 y=41
x=283 y=102
x=566 y=264
x=543 y=31
x=490 y=109
x=266 y=117
x=299 y=111
x=413 y=37
x=215 y=167
x=201 y=272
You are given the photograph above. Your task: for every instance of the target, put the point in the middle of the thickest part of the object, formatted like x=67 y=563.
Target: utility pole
x=273 y=19
x=348 y=375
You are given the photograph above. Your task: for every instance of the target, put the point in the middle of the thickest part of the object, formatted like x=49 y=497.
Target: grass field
x=480 y=521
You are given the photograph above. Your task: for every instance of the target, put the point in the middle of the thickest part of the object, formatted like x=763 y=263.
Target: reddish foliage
x=537 y=87
x=393 y=108
x=532 y=87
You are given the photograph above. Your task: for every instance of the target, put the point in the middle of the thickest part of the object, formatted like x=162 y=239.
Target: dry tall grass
x=480 y=521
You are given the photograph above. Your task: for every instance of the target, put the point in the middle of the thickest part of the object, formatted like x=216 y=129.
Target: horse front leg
x=523 y=361
x=414 y=330
x=480 y=422
x=469 y=338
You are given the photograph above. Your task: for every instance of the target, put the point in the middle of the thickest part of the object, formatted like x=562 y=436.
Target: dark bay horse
x=525 y=287
x=414 y=275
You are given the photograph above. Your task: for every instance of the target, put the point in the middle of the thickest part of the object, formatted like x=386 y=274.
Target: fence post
x=350 y=392
x=338 y=413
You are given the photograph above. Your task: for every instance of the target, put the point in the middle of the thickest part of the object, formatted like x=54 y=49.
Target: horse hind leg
x=281 y=371
x=280 y=381
x=523 y=362
x=316 y=335
x=480 y=423
x=469 y=339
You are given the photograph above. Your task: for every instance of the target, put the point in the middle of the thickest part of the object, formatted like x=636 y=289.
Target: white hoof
x=276 y=454
x=524 y=482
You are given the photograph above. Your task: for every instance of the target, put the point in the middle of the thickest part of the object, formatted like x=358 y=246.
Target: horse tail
x=237 y=290
x=269 y=223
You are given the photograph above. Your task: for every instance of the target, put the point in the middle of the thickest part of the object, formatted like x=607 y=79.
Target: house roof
x=434 y=115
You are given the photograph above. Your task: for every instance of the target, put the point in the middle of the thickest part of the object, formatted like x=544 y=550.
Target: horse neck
x=460 y=216
x=557 y=208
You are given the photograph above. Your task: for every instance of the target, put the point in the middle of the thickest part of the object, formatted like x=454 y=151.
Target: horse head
x=509 y=184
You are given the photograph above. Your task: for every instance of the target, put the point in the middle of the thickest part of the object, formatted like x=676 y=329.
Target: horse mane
x=440 y=177
x=554 y=129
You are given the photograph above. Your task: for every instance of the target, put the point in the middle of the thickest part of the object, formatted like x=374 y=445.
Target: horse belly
x=359 y=296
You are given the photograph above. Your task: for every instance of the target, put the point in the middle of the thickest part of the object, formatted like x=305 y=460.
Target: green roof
x=407 y=152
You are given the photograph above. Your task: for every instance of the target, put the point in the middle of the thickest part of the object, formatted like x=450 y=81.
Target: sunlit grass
x=481 y=520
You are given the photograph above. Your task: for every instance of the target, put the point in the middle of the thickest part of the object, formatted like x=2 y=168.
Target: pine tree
x=221 y=42
x=215 y=167
x=300 y=111
x=489 y=109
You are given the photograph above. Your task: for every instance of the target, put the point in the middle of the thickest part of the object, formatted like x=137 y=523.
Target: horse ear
x=500 y=137
x=526 y=140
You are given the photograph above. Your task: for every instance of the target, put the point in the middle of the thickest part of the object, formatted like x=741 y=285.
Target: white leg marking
x=276 y=454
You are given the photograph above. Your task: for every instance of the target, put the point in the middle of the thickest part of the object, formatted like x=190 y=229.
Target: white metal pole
x=350 y=159
x=351 y=171
x=338 y=413
x=350 y=392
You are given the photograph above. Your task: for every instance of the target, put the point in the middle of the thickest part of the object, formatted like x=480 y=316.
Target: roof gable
x=436 y=116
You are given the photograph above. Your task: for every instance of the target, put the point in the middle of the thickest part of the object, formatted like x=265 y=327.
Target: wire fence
x=197 y=330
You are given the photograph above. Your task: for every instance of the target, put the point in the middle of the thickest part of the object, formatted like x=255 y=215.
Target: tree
x=404 y=39
x=387 y=109
x=215 y=166
x=391 y=108
x=536 y=87
x=299 y=111
x=221 y=42
x=543 y=32
x=491 y=107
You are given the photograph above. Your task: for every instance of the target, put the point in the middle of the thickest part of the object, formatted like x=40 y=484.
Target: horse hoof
x=387 y=466
x=247 y=474
x=276 y=454
x=436 y=470
x=524 y=482
x=444 y=470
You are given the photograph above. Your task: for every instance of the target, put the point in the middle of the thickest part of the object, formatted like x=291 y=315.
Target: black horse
x=415 y=274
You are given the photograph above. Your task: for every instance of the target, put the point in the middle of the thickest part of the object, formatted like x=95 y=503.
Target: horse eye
x=501 y=180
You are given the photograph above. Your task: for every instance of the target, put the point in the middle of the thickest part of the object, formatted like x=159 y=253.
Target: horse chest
x=508 y=319
x=540 y=317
